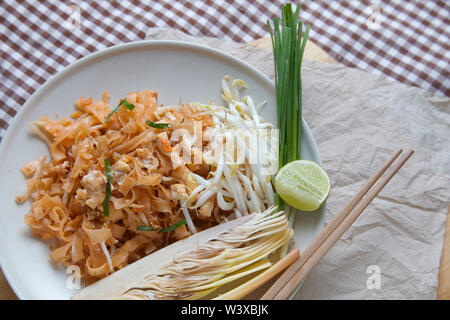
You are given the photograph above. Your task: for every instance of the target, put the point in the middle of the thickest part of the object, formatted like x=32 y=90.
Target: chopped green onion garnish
x=146 y=228
x=125 y=103
x=182 y=120
x=167 y=229
x=108 y=188
x=157 y=125
x=174 y=226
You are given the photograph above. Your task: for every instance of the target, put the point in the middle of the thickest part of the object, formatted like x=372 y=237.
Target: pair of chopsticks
x=321 y=244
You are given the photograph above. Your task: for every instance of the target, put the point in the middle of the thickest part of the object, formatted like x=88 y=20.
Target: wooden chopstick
x=258 y=281
x=348 y=221
x=293 y=276
x=329 y=228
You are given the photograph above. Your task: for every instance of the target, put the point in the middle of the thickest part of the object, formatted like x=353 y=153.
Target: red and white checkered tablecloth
x=406 y=40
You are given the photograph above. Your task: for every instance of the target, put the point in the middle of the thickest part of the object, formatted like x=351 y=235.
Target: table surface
x=407 y=41
x=443 y=291
x=312 y=52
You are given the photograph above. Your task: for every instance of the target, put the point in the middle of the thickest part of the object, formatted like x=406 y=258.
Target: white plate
x=175 y=70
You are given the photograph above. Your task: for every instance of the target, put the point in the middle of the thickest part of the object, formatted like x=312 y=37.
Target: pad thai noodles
x=126 y=181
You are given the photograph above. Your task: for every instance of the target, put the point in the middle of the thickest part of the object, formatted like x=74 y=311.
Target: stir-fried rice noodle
x=151 y=183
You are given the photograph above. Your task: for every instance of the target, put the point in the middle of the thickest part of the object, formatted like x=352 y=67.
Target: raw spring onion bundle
x=288 y=47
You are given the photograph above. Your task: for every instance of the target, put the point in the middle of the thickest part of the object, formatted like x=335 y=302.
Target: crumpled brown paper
x=358 y=120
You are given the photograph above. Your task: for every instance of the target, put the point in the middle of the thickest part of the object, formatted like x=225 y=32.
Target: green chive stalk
x=288 y=43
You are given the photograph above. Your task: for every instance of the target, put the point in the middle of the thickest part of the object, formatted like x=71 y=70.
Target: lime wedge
x=303 y=184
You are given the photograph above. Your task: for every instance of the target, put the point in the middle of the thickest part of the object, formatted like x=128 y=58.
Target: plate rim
x=116 y=49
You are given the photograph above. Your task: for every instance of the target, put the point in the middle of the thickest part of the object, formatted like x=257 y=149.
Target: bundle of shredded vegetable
x=217 y=260
x=117 y=188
